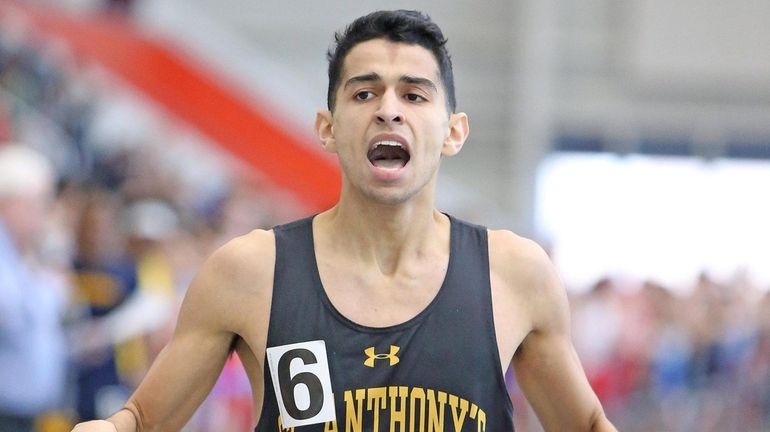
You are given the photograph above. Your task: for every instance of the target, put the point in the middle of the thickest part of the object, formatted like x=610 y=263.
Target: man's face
x=390 y=125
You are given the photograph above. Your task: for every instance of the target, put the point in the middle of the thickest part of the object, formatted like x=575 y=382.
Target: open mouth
x=388 y=155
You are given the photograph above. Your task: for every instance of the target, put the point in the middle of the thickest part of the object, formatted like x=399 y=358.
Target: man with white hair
x=32 y=345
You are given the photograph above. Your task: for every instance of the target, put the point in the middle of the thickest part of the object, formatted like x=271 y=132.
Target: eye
x=414 y=97
x=364 y=95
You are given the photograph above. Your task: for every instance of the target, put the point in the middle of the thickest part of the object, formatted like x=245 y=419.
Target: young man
x=381 y=313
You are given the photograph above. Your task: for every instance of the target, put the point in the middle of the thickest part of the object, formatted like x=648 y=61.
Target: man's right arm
x=211 y=315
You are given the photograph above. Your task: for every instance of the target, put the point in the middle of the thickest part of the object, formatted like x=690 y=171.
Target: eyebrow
x=408 y=79
x=419 y=81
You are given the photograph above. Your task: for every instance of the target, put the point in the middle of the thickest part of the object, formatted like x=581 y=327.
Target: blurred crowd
x=663 y=359
x=108 y=207
x=678 y=360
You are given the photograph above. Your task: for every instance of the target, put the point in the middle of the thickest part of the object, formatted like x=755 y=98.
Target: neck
x=384 y=235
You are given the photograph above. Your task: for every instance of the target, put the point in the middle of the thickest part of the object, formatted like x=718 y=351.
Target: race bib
x=302 y=384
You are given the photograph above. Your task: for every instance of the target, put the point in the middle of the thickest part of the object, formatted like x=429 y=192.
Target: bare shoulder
x=524 y=272
x=243 y=259
x=517 y=259
x=235 y=281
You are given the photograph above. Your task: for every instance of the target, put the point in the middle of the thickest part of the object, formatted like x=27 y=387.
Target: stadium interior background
x=631 y=139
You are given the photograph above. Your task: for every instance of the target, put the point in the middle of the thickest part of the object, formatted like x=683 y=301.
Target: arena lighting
x=654 y=217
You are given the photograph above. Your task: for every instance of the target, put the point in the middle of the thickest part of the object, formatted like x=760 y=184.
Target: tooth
x=388 y=143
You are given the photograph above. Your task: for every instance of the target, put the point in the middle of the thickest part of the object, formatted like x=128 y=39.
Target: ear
x=458 y=133
x=325 y=130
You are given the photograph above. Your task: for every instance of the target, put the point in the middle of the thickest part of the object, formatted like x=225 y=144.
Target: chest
x=369 y=298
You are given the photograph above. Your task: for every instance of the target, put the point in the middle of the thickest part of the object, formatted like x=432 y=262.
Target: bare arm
x=545 y=362
x=181 y=375
x=212 y=313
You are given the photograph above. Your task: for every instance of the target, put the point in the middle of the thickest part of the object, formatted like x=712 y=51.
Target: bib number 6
x=302 y=383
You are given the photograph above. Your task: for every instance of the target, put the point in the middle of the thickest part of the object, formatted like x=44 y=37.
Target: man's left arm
x=546 y=365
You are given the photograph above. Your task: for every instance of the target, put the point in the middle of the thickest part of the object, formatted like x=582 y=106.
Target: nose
x=389 y=111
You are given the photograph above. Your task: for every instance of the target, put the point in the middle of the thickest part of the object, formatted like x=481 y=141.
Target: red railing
x=194 y=95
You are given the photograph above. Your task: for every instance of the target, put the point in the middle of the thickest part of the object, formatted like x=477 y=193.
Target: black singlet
x=439 y=371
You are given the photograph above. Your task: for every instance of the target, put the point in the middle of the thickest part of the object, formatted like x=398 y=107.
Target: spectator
x=126 y=286
x=105 y=278
x=32 y=298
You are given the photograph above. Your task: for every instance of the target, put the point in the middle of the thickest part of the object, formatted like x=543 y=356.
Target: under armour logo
x=371 y=356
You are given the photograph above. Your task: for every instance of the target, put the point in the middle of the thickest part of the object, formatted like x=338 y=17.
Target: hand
x=95 y=426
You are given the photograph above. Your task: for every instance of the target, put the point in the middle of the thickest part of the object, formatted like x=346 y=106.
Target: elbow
x=600 y=423
x=140 y=425
x=152 y=421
